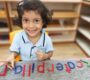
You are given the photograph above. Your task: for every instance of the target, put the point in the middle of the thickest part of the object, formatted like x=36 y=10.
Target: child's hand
x=10 y=62
x=9 y=65
x=41 y=55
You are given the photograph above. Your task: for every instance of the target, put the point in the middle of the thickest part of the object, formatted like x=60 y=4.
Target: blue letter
x=59 y=66
x=18 y=69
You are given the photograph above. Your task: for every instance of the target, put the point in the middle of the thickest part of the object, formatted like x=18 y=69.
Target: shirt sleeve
x=49 y=44
x=15 y=47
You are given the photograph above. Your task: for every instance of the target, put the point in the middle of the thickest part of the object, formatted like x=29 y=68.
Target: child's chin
x=32 y=35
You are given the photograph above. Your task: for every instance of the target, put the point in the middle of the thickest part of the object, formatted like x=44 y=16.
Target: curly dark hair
x=34 y=5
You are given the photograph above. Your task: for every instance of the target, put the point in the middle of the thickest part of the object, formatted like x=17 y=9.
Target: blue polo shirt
x=23 y=46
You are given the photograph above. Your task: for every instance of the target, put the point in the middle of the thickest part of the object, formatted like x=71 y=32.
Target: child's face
x=32 y=23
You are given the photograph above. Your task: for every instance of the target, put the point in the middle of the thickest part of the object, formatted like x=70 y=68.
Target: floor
x=61 y=51
x=67 y=51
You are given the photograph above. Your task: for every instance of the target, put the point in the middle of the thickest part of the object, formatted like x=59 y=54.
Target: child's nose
x=31 y=24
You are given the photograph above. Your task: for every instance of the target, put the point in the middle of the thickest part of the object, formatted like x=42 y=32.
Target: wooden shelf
x=60 y=29
x=58 y=15
x=4 y=30
x=13 y=14
x=65 y=36
x=86 y=18
x=4 y=42
x=84 y=45
x=86 y=2
x=4 y=24
x=85 y=31
x=2 y=14
x=83 y=36
x=61 y=40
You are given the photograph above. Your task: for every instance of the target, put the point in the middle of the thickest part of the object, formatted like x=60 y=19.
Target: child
x=32 y=43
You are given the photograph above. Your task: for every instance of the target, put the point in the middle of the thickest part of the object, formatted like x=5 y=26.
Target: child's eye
x=25 y=20
x=37 y=21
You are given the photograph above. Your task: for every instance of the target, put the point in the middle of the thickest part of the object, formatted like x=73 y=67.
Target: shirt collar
x=41 y=40
x=25 y=37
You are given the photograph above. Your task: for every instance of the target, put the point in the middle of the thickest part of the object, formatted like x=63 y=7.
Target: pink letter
x=79 y=64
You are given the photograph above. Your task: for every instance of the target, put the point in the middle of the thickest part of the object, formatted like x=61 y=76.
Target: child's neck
x=34 y=40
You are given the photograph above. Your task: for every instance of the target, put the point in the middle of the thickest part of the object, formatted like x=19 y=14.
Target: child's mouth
x=31 y=31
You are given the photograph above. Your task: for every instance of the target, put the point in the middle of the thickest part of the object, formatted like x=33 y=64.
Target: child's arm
x=44 y=56
x=10 y=61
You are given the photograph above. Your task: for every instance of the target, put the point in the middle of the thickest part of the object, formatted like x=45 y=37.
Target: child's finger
x=39 y=51
x=9 y=65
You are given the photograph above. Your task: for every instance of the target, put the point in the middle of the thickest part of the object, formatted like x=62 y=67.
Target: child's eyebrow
x=38 y=18
x=33 y=19
x=25 y=17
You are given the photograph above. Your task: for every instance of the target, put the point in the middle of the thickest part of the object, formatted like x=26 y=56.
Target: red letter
x=40 y=68
x=52 y=68
x=67 y=68
x=4 y=72
x=29 y=70
x=23 y=72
